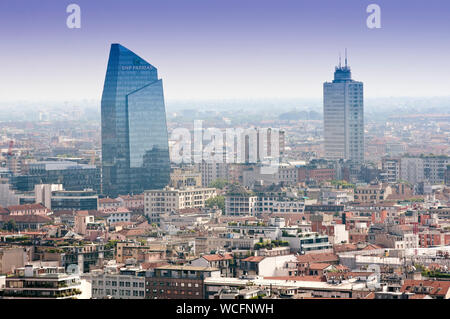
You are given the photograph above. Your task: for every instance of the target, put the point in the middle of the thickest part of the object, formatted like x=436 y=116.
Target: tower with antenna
x=344 y=115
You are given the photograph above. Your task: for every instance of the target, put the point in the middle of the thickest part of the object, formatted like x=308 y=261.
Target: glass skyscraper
x=343 y=113
x=135 y=150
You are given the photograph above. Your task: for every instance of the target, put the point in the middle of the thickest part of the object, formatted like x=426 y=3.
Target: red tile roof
x=318 y=266
x=26 y=218
x=108 y=201
x=371 y=247
x=25 y=207
x=345 y=247
x=254 y=259
x=217 y=257
x=437 y=288
x=317 y=258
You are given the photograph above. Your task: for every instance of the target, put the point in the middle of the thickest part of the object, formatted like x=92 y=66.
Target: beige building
x=11 y=258
x=81 y=221
x=372 y=193
x=163 y=201
x=181 y=178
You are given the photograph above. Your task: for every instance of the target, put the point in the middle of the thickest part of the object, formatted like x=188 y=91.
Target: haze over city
x=226 y=49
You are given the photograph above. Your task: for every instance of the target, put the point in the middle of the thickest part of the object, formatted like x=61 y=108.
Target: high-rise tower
x=135 y=150
x=343 y=114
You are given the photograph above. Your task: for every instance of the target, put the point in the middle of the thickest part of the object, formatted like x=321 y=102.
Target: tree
x=218 y=201
x=219 y=183
x=10 y=225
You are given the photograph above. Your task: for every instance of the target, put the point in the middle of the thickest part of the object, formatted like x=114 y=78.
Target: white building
x=286 y=174
x=240 y=205
x=429 y=169
x=164 y=201
x=390 y=170
x=119 y=215
x=129 y=283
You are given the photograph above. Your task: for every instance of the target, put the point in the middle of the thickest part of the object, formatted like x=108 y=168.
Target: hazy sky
x=226 y=48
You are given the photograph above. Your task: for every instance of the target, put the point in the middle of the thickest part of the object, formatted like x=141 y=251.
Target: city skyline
x=252 y=50
x=298 y=157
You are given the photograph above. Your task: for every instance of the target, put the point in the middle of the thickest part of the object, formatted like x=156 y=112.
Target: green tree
x=219 y=183
x=218 y=201
x=10 y=225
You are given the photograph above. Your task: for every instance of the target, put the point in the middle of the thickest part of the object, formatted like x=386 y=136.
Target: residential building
x=118 y=215
x=372 y=193
x=211 y=172
x=127 y=283
x=178 y=282
x=28 y=209
x=164 y=201
x=390 y=170
x=224 y=262
x=30 y=282
x=185 y=177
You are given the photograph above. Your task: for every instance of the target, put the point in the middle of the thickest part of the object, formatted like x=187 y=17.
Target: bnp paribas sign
x=136 y=66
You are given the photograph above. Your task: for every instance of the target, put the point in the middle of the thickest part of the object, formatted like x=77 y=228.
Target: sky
x=226 y=49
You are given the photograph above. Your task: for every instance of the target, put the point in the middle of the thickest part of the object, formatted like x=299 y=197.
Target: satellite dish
x=73 y=269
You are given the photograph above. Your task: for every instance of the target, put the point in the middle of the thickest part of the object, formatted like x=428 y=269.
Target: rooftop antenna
x=346 y=64
x=340 y=60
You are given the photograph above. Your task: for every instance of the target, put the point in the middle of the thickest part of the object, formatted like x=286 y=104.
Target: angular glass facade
x=135 y=149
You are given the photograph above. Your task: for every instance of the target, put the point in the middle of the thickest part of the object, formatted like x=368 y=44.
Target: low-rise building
x=178 y=282
x=127 y=283
x=163 y=201
x=30 y=282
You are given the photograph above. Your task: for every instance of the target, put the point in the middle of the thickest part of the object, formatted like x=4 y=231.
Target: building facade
x=163 y=201
x=135 y=147
x=343 y=111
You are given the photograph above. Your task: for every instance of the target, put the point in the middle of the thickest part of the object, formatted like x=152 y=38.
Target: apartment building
x=118 y=215
x=182 y=178
x=285 y=174
x=178 y=282
x=211 y=172
x=429 y=169
x=31 y=282
x=309 y=242
x=390 y=170
x=127 y=283
x=240 y=205
x=372 y=193
x=163 y=201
